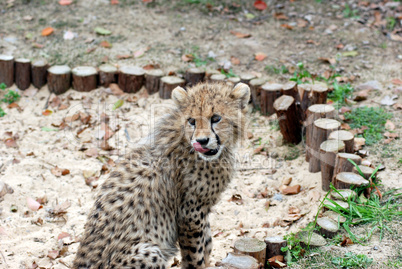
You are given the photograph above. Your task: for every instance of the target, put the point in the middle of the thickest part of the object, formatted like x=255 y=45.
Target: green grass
x=11 y=97
x=350 y=13
x=372 y=117
x=351 y=260
x=301 y=75
x=271 y=69
x=340 y=93
x=228 y=74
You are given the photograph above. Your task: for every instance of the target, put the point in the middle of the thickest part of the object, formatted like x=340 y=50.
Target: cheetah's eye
x=216 y=118
x=191 y=121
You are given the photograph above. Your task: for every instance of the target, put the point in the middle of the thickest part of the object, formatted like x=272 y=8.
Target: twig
x=47 y=101
x=4 y=258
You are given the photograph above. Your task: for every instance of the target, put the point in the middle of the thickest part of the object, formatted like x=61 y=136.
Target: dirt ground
x=161 y=33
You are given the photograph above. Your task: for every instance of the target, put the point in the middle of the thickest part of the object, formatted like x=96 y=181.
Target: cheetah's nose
x=203 y=141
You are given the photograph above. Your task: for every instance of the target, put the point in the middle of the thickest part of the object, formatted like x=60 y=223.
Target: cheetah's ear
x=241 y=92
x=179 y=96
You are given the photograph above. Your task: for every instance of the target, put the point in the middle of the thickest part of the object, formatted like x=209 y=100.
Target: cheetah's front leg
x=195 y=244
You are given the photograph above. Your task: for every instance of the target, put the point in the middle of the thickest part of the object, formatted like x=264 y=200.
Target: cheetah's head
x=213 y=116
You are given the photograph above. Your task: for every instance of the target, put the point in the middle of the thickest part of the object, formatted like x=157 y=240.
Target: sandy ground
x=27 y=236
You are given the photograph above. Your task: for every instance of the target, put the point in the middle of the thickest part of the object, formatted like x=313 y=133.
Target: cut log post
x=84 y=78
x=321 y=129
x=239 y=261
x=347 y=137
x=233 y=81
x=334 y=216
x=194 y=76
x=22 y=73
x=274 y=245
x=319 y=92
x=217 y=78
x=347 y=180
x=107 y=75
x=168 y=83
x=131 y=78
x=314 y=113
x=210 y=72
x=305 y=100
x=7 y=70
x=342 y=204
x=367 y=171
x=59 y=78
x=252 y=247
x=328 y=151
x=269 y=93
x=290 y=88
x=153 y=80
x=246 y=77
x=343 y=194
x=312 y=239
x=255 y=89
x=328 y=227
x=39 y=73
x=289 y=123
x=343 y=165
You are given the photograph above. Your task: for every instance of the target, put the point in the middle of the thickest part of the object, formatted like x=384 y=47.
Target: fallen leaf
x=92 y=152
x=258 y=149
x=287 y=26
x=287 y=181
x=139 y=53
x=359 y=143
x=47 y=31
x=10 y=143
x=280 y=16
x=328 y=60
x=105 y=44
x=260 y=5
x=89 y=50
x=277 y=261
x=37 y=45
x=118 y=104
x=61 y=208
x=396 y=81
x=395 y=37
x=391 y=135
x=240 y=35
x=352 y=53
x=339 y=46
x=234 y=60
x=115 y=89
x=59 y=171
x=102 y=31
x=310 y=41
x=187 y=57
x=362 y=95
x=388 y=100
x=301 y=23
x=33 y=205
x=260 y=56
x=346 y=241
x=65 y=2
x=345 y=126
x=47 y=112
x=397 y=106
x=124 y=56
x=53 y=254
x=114 y=2
x=250 y=135
x=389 y=125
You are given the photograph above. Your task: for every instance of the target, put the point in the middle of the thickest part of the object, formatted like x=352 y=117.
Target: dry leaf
x=65 y=2
x=234 y=60
x=47 y=31
x=280 y=16
x=30 y=92
x=328 y=60
x=105 y=44
x=362 y=95
x=389 y=125
x=124 y=56
x=260 y=5
x=310 y=41
x=92 y=152
x=260 y=56
x=287 y=26
x=240 y=35
x=301 y=23
x=346 y=241
x=391 y=135
x=89 y=50
x=397 y=106
x=53 y=254
x=47 y=112
x=345 y=126
x=115 y=89
x=339 y=46
x=10 y=143
x=187 y=57
x=259 y=149
x=33 y=205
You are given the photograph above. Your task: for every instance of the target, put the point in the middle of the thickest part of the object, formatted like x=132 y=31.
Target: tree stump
x=246 y=78
x=343 y=165
x=312 y=240
x=342 y=204
x=39 y=73
x=233 y=81
x=314 y=113
x=328 y=227
x=290 y=88
x=334 y=216
x=168 y=83
x=274 y=245
x=59 y=78
x=210 y=72
x=22 y=73
x=347 y=137
x=153 y=80
x=7 y=70
x=367 y=171
x=107 y=75
x=239 y=261
x=328 y=151
x=321 y=129
x=289 y=123
x=84 y=78
x=194 y=76
x=304 y=93
x=217 y=78
x=252 y=247
x=343 y=194
x=319 y=92
x=269 y=93
x=255 y=89
x=131 y=78
x=347 y=180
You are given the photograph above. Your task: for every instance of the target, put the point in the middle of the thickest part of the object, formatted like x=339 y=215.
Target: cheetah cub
x=160 y=198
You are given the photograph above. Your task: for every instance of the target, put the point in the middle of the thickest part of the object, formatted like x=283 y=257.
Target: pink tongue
x=197 y=146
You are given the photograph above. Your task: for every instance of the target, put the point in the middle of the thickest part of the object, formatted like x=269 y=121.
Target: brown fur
x=163 y=194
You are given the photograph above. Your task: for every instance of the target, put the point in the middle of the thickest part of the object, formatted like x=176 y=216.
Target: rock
x=250 y=135
x=292 y=190
x=277 y=261
x=370 y=85
x=287 y=181
x=278 y=197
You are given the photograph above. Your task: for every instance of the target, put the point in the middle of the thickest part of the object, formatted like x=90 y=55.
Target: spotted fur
x=161 y=196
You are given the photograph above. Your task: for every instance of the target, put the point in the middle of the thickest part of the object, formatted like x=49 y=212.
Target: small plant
x=2 y=113
x=391 y=22
x=3 y=86
x=373 y=118
x=351 y=260
x=228 y=74
x=302 y=75
x=273 y=70
x=11 y=97
x=350 y=13
x=340 y=93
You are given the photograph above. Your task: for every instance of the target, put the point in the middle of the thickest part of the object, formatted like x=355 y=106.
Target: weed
x=273 y=70
x=373 y=118
x=11 y=97
x=383 y=45
x=274 y=125
x=351 y=260
x=2 y=113
x=302 y=75
x=3 y=86
x=391 y=22
x=340 y=93
x=228 y=74
x=350 y=13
